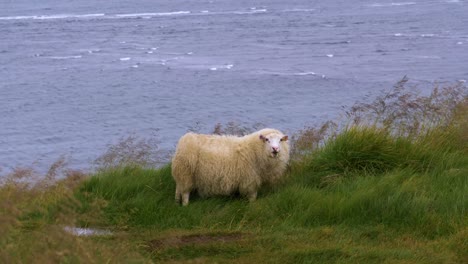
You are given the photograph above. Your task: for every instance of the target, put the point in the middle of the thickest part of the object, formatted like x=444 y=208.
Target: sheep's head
x=274 y=143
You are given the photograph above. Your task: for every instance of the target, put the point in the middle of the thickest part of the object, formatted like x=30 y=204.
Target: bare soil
x=197 y=239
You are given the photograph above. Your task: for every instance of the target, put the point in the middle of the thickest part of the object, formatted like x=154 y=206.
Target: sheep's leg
x=181 y=195
x=185 y=198
x=252 y=196
x=177 y=194
x=249 y=191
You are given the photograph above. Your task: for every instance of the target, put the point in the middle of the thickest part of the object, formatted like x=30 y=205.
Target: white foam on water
x=254 y=11
x=91 y=51
x=16 y=17
x=459 y=43
x=125 y=59
x=65 y=57
x=80 y=231
x=330 y=55
x=392 y=4
x=304 y=73
x=58 y=16
x=298 y=10
x=427 y=35
x=220 y=67
x=151 y=14
x=288 y=73
x=87 y=16
x=398 y=34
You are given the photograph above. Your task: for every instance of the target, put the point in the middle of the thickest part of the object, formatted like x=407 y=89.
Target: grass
x=387 y=188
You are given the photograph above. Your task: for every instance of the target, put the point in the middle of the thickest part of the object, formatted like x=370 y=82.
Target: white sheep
x=222 y=165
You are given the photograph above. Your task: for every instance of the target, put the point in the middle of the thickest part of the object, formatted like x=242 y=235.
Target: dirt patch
x=197 y=239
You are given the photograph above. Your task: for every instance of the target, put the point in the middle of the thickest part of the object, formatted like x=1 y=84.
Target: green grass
x=362 y=194
x=367 y=194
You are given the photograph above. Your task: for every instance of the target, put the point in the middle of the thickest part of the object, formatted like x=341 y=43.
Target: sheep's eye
x=267 y=140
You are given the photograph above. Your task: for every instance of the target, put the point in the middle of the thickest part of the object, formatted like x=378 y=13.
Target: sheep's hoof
x=252 y=197
x=185 y=199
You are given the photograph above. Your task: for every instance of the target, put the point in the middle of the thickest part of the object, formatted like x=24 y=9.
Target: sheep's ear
x=262 y=137
x=285 y=138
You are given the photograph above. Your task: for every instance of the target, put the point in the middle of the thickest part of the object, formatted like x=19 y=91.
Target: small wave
x=129 y=15
x=298 y=10
x=227 y=66
x=87 y=16
x=252 y=11
x=152 y=14
x=147 y=14
x=65 y=57
x=415 y=35
x=392 y=4
x=91 y=51
x=45 y=17
x=304 y=73
x=336 y=42
x=301 y=73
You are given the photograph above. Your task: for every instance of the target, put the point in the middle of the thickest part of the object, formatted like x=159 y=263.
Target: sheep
x=222 y=165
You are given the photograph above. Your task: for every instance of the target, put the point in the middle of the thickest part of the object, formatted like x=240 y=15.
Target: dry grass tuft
x=234 y=128
x=310 y=138
x=405 y=112
x=132 y=151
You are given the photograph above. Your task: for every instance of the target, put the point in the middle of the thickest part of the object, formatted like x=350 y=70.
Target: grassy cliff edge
x=389 y=186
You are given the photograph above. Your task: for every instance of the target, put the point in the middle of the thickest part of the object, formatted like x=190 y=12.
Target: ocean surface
x=77 y=76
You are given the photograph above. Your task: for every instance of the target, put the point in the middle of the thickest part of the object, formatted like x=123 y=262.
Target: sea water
x=78 y=76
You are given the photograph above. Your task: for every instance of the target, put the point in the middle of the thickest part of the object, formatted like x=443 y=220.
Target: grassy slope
x=389 y=208
x=364 y=196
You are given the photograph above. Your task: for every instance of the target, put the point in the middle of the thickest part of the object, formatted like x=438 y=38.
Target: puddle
x=80 y=231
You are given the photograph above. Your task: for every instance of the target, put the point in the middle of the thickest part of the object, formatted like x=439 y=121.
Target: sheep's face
x=273 y=143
